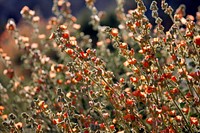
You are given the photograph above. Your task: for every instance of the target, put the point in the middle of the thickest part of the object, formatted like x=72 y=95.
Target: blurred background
x=11 y=8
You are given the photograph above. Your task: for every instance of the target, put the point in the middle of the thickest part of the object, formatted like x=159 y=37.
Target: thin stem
x=180 y=111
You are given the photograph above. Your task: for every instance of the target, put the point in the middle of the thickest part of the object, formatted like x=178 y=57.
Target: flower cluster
x=140 y=78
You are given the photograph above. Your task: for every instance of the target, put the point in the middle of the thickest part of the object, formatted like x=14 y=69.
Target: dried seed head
x=169 y=10
x=164 y=5
x=25 y=115
x=25 y=10
x=153 y=6
x=158 y=20
x=154 y=14
x=12 y=116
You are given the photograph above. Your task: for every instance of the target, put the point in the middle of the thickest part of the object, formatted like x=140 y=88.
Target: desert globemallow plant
x=138 y=77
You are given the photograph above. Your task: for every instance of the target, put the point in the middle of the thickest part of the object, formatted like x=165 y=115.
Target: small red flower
x=165 y=108
x=65 y=115
x=39 y=127
x=68 y=45
x=114 y=32
x=129 y=102
x=173 y=78
x=189 y=34
x=9 y=73
x=112 y=127
x=102 y=125
x=188 y=95
x=86 y=131
x=172 y=113
x=132 y=61
x=63 y=27
x=168 y=130
x=194 y=121
x=174 y=57
x=178 y=118
x=136 y=93
x=107 y=88
x=121 y=80
x=105 y=115
x=185 y=110
x=83 y=55
x=65 y=35
x=197 y=40
x=88 y=51
x=167 y=75
x=150 y=89
x=137 y=23
x=79 y=76
x=56 y=121
x=69 y=51
x=129 y=117
x=134 y=79
x=145 y=64
x=123 y=45
x=174 y=91
x=149 y=120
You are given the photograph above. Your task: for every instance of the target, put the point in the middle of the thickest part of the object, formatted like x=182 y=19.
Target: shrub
x=148 y=83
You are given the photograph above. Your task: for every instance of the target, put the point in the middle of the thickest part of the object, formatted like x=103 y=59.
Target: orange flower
x=129 y=102
x=134 y=79
x=112 y=127
x=56 y=121
x=65 y=35
x=18 y=125
x=197 y=40
x=129 y=117
x=11 y=25
x=63 y=27
x=194 y=121
x=69 y=51
x=2 y=108
x=149 y=120
x=123 y=45
x=114 y=32
x=4 y=117
x=185 y=110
